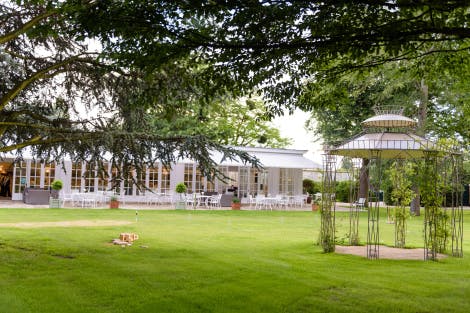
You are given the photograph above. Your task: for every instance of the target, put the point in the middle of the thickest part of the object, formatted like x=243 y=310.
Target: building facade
x=281 y=174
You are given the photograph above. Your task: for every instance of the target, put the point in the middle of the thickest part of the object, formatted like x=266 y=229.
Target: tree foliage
x=59 y=98
x=240 y=122
x=426 y=88
x=276 y=44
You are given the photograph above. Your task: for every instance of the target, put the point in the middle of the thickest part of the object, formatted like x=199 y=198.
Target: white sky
x=293 y=126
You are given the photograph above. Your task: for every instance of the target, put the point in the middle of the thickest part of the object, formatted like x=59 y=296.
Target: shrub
x=181 y=188
x=309 y=186
x=342 y=191
x=57 y=184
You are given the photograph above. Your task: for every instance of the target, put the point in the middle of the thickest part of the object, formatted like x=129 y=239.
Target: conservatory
x=281 y=174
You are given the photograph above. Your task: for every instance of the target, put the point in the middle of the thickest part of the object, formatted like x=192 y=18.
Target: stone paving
x=6 y=203
x=131 y=206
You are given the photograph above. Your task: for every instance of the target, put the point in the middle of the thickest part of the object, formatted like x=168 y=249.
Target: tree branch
x=13 y=92
x=25 y=27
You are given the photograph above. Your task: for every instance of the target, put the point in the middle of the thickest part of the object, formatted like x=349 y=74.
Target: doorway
x=6 y=179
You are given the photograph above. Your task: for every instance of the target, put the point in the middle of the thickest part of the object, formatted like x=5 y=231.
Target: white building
x=282 y=174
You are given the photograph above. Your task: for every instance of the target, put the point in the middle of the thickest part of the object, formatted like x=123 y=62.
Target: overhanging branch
x=12 y=93
x=25 y=27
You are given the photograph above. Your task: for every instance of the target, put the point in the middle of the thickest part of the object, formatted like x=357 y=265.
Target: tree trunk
x=423 y=108
x=415 y=203
x=364 y=181
x=421 y=130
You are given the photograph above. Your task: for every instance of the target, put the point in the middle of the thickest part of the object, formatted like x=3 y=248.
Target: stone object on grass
x=129 y=237
x=125 y=239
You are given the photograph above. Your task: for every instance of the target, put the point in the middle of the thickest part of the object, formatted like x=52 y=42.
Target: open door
x=6 y=179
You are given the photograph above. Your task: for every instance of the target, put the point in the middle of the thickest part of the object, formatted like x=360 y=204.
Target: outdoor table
x=204 y=199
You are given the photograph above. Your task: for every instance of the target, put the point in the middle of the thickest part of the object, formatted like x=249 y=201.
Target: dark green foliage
x=310 y=187
x=272 y=45
x=59 y=100
x=180 y=188
x=164 y=57
x=342 y=191
x=57 y=184
x=436 y=222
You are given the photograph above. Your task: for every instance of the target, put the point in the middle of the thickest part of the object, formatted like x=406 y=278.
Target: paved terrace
x=141 y=206
x=4 y=203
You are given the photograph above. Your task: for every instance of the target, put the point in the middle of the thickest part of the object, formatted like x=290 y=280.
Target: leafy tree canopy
x=275 y=44
x=60 y=98
x=340 y=103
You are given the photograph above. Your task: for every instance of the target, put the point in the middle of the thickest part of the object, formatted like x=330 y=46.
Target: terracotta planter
x=114 y=204
x=236 y=206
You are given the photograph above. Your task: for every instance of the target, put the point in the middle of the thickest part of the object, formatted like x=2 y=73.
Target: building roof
x=269 y=157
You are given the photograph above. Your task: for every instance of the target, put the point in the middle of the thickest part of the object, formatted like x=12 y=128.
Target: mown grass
x=214 y=261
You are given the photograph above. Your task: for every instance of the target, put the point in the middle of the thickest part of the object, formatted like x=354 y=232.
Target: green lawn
x=214 y=261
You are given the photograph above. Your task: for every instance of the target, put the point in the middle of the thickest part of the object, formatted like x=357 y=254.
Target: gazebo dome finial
x=389 y=116
x=388 y=109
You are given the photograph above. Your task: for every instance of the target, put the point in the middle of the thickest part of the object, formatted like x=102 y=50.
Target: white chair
x=282 y=202
x=165 y=198
x=76 y=199
x=214 y=201
x=66 y=197
x=259 y=202
x=251 y=201
x=193 y=200
x=360 y=203
x=88 y=200
x=298 y=200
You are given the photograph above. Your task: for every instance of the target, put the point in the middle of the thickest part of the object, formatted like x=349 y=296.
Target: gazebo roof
x=391 y=145
x=390 y=133
x=389 y=121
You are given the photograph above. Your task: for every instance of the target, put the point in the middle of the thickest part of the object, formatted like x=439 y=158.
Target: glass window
x=49 y=174
x=188 y=177
x=263 y=183
x=35 y=174
x=153 y=178
x=129 y=183
x=20 y=177
x=286 y=181
x=243 y=188
x=115 y=180
x=103 y=177
x=210 y=186
x=89 y=176
x=199 y=181
x=140 y=187
x=165 y=180
x=254 y=182
x=76 y=182
x=223 y=184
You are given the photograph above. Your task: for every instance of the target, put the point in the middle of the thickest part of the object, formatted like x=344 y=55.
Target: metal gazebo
x=389 y=135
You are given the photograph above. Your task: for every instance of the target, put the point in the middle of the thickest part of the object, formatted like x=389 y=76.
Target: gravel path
x=387 y=252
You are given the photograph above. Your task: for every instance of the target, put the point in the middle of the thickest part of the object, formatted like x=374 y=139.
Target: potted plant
x=236 y=204
x=114 y=202
x=315 y=204
x=56 y=186
x=180 y=190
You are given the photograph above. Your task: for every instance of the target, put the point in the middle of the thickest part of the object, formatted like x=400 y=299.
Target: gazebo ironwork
x=389 y=135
